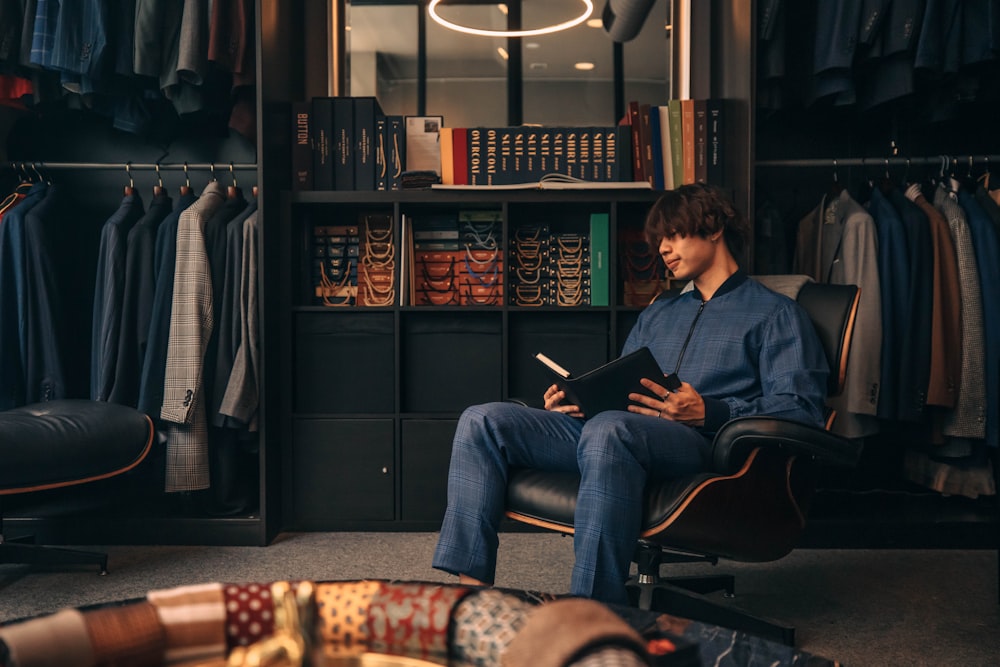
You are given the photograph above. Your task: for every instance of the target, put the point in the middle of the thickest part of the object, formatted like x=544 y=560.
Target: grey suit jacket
x=837 y=244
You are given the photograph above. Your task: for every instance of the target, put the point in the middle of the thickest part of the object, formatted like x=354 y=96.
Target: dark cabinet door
x=342 y=471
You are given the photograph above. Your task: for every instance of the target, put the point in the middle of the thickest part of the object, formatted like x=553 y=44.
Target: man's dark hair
x=697 y=210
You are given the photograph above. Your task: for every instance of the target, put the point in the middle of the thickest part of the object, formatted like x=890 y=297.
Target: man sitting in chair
x=738 y=348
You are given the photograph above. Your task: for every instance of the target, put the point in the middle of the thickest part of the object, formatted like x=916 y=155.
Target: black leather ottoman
x=64 y=443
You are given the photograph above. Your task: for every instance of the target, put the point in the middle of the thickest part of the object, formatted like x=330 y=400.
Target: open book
x=607 y=387
x=553 y=181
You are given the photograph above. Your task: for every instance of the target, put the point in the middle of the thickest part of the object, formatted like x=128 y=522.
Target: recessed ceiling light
x=595 y=23
x=586 y=67
x=532 y=45
x=503 y=52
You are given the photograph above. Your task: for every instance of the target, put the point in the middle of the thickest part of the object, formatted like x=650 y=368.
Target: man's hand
x=684 y=405
x=554 y=396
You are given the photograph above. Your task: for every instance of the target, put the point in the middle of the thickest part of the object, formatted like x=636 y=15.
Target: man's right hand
x=554 y=396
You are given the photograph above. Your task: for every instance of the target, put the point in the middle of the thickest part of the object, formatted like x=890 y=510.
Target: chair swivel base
x=35 y=554
x=672 y=598
x=685 y=596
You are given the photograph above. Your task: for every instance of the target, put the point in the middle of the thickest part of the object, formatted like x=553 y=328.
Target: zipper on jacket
x=687 y=340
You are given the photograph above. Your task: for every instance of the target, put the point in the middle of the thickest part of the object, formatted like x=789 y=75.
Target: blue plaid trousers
x=615 y=454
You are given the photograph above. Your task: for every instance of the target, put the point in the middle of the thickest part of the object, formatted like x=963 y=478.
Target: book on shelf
x=447 y=149
x=606 y=387
x=716 y=109
x=666 y=148
x=635 y=125
x=396 y=151
x=700 y=141
x=656 y=145
x=366 y=112
x=687 y=140
x=553 y=181
x=600 y=275
x=302 y=147
x=343 y=143
x=322 y=128
x=460 y=150
x=676 y=141
x=381 y=154
x=647 y=143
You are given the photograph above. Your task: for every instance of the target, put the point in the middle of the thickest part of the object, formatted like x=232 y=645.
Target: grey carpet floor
x=861 y=607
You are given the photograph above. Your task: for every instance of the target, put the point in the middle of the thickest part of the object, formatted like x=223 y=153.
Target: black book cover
x=366 y=114
x=302 y=147
x=342 y=143
x=716 y=141
x=382 y=155
x=700 y=141
x=395 y=151
x=607 y=387
x=322 y=128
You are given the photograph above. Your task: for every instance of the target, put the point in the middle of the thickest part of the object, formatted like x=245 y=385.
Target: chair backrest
x=832 y=309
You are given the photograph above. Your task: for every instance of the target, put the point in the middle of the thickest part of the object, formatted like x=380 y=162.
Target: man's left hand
x=684 y=405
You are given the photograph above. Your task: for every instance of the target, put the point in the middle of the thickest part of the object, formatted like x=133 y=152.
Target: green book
x=676 y=141
x=599 y=269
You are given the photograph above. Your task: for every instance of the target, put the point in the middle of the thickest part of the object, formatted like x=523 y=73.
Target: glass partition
x=562 y=78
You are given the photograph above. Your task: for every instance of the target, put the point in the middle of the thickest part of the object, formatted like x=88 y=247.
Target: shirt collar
x=732 y=282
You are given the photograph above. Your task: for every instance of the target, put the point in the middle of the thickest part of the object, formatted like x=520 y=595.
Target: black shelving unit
x=374 y=393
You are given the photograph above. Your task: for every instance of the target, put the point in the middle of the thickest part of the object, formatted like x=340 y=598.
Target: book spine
x=492 y=153
x=447 y=156
x=533 y=166
x=635 y=123
x=666 y=149
x=545 y=160
x=343 y=143
x=676 y=142
x=477 y=174
x=558 y=150
x=596 y=169
x=655 y=134
x=571 y=165
x=647 y=150
x=366 y=111
x=508 y=167
x=302 y=147
x=381 y=153
x=622 y=155
x=396 y=146
x=687 y=139
x=700 y=141
x=322 y=123
x=460 y=152
x=600 y=274
x=716 y=141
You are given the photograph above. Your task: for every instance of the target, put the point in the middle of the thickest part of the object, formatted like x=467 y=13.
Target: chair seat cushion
x=66 y=442
x=549 y=498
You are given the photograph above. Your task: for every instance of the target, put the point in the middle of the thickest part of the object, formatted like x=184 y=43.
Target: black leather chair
x=750 y=506
x=64 y=443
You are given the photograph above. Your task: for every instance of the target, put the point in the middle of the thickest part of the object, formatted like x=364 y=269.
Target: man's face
x=687 y=257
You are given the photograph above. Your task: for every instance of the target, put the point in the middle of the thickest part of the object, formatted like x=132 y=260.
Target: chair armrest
x=738 y=437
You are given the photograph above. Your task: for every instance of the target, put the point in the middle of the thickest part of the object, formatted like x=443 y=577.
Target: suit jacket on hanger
x=837 y=244
x=968 y=420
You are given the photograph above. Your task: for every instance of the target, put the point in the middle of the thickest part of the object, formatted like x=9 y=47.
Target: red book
x=460 y=148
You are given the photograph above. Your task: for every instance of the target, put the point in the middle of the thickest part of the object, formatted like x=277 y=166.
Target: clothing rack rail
x=152 y=166
x=892 y=161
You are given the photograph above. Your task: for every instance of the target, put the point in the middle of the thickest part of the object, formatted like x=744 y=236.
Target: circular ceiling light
x=588 y=8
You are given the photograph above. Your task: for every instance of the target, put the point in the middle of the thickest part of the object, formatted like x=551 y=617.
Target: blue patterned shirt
x=751 y=351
